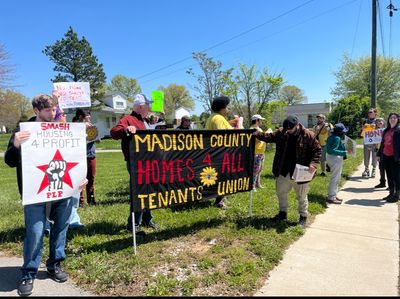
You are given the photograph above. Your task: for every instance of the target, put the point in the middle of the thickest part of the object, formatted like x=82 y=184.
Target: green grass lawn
x=4 y=138
x=109 y=144
x=199 y=251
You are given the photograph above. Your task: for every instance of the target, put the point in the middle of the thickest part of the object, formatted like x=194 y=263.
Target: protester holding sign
x=127 y=126
x=84 y=116
x=389 y=151
x=37 y=214
x=75 y=220
x=369 y=149
x=294 y=145
x=217 y=121
x=336 y=153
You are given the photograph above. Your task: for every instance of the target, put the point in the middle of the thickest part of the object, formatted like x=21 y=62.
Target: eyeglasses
x=371 y=111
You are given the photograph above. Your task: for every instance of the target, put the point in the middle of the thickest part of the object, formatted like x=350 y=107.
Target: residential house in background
x=306 y=113
x=178 y=115
x=115 y=106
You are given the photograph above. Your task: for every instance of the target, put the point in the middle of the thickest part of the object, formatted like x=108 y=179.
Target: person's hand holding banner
x=21 y=137
x=130 y=130
x=83 y=184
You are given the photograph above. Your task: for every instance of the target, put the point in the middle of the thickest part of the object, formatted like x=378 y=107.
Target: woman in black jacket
x=389 y=151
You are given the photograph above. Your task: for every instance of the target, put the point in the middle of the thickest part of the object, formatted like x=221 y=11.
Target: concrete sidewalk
x=350 y=250
x=43 y=286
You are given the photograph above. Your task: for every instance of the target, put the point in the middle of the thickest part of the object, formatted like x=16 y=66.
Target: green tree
x=291 y=94
x=203 y=119
x=251 y=90
x=176 y=96
x=15 y=107
x=274 y=113
x=127 y=86
x=75 y=62
x=351 y=111
x=354 y=77
x=211 y=82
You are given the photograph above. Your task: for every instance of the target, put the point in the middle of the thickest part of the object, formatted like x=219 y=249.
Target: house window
x=108 y=122
x=119 y=104
x=114 y=120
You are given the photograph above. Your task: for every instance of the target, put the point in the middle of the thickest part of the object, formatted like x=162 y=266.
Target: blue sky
x=303 y=39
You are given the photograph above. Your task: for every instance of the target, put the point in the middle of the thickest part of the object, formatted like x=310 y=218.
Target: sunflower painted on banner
x=208 y=176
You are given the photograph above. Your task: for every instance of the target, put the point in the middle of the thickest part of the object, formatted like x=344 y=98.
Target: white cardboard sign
x=373 y=136
x=73 y=94
x=53 y=161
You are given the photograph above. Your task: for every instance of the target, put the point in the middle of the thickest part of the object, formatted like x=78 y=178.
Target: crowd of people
x=322 y=146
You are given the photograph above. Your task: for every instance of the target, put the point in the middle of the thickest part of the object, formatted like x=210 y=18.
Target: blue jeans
x=35 y=224
x=74 y=220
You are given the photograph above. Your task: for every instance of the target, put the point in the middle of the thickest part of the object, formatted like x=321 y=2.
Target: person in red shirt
x=127 y=126
x=389 y=151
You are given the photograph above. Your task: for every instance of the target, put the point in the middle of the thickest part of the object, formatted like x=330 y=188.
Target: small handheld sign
x=158 y=101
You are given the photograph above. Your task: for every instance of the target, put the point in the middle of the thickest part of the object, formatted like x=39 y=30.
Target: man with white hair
x=127 y=126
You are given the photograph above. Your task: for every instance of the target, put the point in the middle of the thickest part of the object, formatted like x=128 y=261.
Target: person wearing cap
x=185 y=123
x=123 y=131
x=217 y=121
x=294 y=145
x=336 y=153
x=389 y=151
x=322 y=131
x=369 y=149
x=259 y=154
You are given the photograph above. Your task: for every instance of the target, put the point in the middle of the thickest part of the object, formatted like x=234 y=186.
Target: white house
x=179 y=113
x=115 y=107
x=182 y=112
x=307 y=113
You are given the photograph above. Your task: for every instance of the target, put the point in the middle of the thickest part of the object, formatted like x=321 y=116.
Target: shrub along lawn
x=198 y=251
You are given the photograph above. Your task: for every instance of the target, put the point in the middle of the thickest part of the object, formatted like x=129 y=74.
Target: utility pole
x=373 y=56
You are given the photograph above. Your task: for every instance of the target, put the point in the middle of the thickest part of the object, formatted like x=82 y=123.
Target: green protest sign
x=158 y=101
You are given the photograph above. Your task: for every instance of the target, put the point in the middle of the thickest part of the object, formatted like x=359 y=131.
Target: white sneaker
x=365 y=174
x=373 y=173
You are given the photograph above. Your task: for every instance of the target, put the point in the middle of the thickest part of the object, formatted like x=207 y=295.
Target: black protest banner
x=175 y=167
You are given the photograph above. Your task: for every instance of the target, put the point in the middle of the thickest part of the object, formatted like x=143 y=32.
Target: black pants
x=382 y=172
x=392 y=173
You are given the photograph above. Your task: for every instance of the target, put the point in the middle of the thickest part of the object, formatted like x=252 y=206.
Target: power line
x=320 y=14
x=229 y=39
